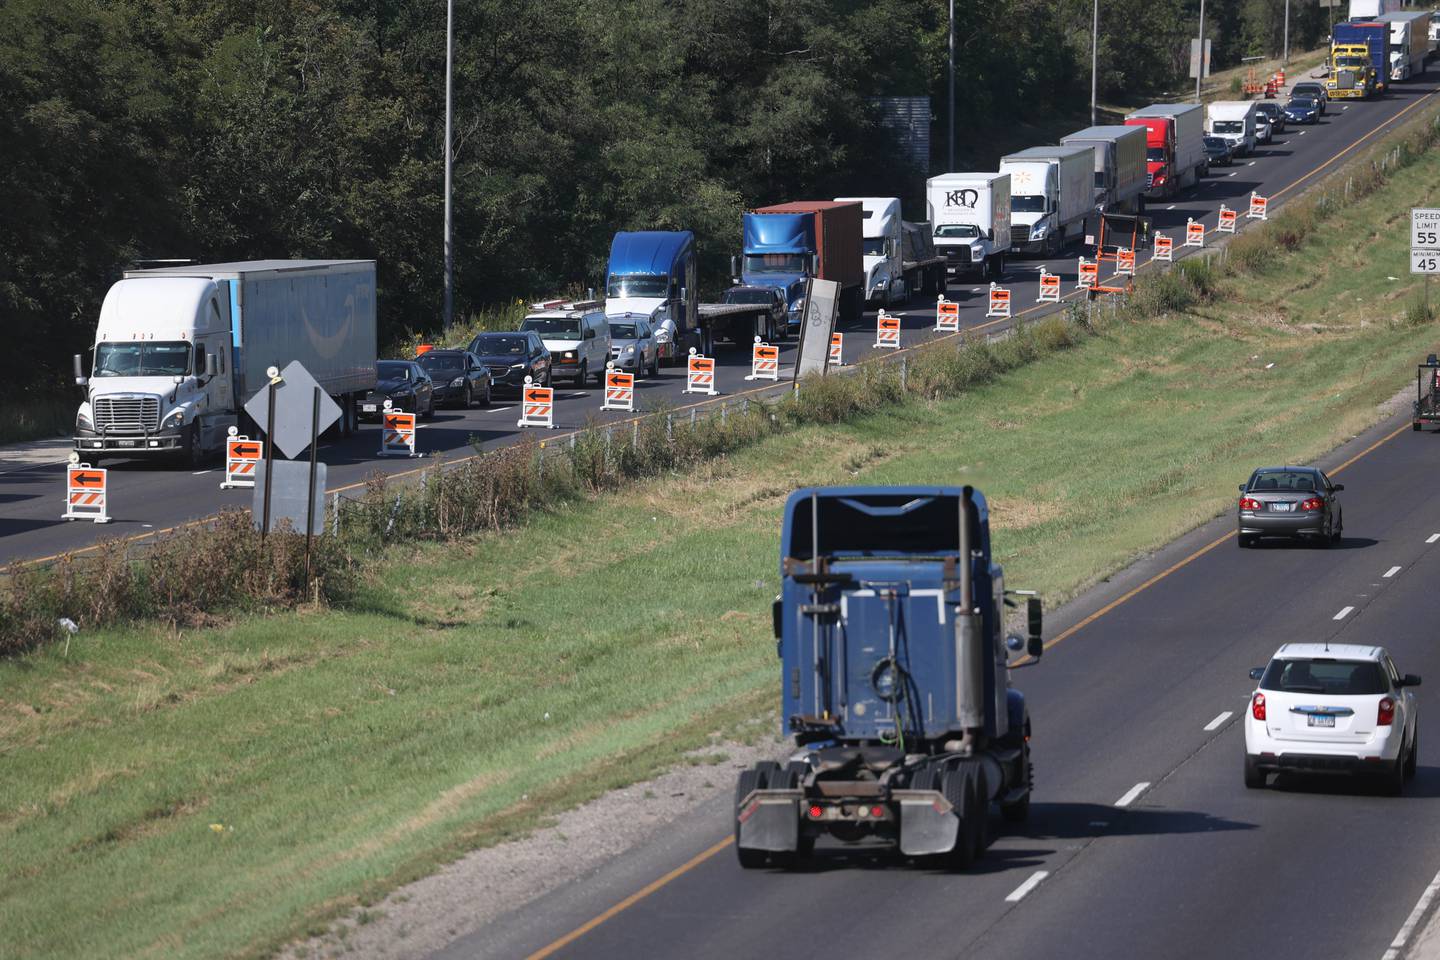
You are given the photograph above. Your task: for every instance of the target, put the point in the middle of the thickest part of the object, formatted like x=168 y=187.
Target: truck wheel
x=788 y=778
x=1019 y=811
x=584 y=375
x=194 y=453
x=959 y=790
x=749 y=782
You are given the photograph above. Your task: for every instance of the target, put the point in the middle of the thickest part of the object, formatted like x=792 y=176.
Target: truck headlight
x=798 y=307
x=568 y=355
x=1038 y=231
x=174 y=420
x=83 y=421
x=627 y=351
x=458 y=382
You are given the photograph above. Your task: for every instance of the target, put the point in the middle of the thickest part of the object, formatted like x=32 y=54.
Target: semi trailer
x=1119 y=165
x=1409 y=46
x=893 y=269
x=788 y=244
x=894 y=680
x=1050 y=196
x=1174 y=146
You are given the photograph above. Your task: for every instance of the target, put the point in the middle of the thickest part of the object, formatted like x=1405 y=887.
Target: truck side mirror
x=212 y=365
x=80 y=379
x=684 y=295
x=1035 y=615
x=775 y=617
x=735 y=268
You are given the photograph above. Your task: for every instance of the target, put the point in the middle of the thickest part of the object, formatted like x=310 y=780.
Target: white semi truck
x=1119 y=165
x=179 y=350
x=970 y=213
x=1051 y=194
x=890 y=276
x=1409 y=45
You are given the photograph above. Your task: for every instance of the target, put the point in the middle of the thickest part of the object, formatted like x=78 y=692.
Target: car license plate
x=367 y=408
x=1321 y=720
x=124 y=443
x=1280 y=507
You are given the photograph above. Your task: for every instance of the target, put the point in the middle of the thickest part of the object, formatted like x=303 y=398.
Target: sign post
x=295 y=410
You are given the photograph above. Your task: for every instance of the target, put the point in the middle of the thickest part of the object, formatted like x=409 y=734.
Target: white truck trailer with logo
x=891 y=277
x=1119 y=165
x=179 y=350
x=1050 y=196
x=1234 y=121
x=970 y=214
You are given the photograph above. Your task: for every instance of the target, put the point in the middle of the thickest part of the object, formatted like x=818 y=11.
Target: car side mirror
x=1337 y=487
x=775 y=617
x=1256 y=673
x=80 y=379
x=1242 y=488
x=1410 y=680
x=1035 y=627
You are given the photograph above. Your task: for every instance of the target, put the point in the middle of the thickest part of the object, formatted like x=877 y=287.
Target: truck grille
x=1019 y=234
x=127 y=414
x=958 y=254
x=1345 y=80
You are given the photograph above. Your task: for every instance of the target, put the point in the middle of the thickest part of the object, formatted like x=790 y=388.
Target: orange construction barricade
x=1164 y=248
x=241 y=456
x=397 y=433
x=837 y=349
x=1125 y=262
x=537 y=406
x=947 y=316
x=764 y=361
x=1089 y=274
x=1227 y=220
x=1194 y=233
x=700 y=374
x=85 y=492
x=1049 y=287
x=999 y=301
x=887 y=331
x=1258 y=206
x=619 y=390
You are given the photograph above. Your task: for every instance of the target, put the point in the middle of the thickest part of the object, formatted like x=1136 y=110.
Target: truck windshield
x=637 y=285
x=1351 y=62
x=961 y=231
x=873 y=246
x=149 y=359
x=1229 y=126
x=1155 y=154
x=1028 y=203
x=556 y=328
x=792 y=263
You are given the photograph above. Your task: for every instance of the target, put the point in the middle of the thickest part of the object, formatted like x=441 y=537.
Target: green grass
x=216 y=792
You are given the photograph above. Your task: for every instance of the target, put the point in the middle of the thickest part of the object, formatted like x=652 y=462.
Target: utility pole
x=449 y=83
x=1286 y=58
x=1200 y=68
x=951 y=82
x=1095 y=58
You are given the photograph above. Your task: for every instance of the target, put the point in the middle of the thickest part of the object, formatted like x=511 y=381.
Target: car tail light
x=1387 y=712
x=816 y=811
x=877 y=812
x=1257 y=706
x=1249 y=503
x=1312 y=503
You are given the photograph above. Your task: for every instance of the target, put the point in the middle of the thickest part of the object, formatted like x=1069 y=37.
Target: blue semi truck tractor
x=787 y=244
x=894 y=680
x=651 y=276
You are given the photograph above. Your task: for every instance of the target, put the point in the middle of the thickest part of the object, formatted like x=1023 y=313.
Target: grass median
x=218 y=791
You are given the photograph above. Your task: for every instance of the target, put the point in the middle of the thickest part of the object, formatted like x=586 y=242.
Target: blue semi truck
x=894 y=680
x=1375 y=38
x=788 y=244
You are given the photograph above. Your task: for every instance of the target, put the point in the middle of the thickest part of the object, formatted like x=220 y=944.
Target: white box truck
x=1051 y=194
x=179 y=350
x=1119 y=165
x=970 y=213
x=1234 y=121
x=1409 y=45
x=891 y=276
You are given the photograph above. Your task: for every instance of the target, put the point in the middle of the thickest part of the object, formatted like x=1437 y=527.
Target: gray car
x=633 y=348
x=1290 y=502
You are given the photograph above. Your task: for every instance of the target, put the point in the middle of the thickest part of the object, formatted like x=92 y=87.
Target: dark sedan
x=1302 y=110
x=1219 y=151
x=1290 y=502
x=511 y=357
x=460 y=378
x=405 y=384
x=1315 y=91
x=1274 y=113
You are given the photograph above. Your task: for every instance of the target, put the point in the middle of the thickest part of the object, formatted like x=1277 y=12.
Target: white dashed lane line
x=1215 y=724
x=1411 y=921
x=1432 y=538
x=1034 y=880
x=1132 y=793
x=1344 y=612
x=1391 y=572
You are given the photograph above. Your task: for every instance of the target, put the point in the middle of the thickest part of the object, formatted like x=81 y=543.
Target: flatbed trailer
x=1427 y=393
x=737 y=323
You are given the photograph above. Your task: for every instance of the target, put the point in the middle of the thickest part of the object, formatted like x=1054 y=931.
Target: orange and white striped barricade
x=887 y=331
x=999 y=301
x=700 y=374
x=1194 y=233
x=397 y=433
x=619 y=390
x=947 y=316
x=1227 y=220
x=837 y=349
x=537 y=406
x=1089 y=274
x=242 y=455
x=1049 y=287
x=1258 y=208
x=1164 y=248
x=1125 y=262
x=764 y=361
x=85 y=492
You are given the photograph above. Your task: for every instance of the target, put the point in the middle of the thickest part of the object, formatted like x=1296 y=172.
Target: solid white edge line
x=1215 y=724
x=1344 y=612
x=1132 y=793
x=1432 y=538
x=1408 y=927
x=1391 y=572
x=1019 y=892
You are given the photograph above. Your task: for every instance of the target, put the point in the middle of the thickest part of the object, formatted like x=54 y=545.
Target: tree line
x=206 y=129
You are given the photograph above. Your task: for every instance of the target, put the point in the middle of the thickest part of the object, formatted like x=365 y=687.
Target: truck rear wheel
x=748 y=783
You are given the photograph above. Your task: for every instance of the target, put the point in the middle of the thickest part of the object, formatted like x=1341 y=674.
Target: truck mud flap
x=770 y=820
x=928 y=824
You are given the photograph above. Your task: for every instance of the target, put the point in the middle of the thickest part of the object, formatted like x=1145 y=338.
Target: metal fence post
x=904 y=371
x=669 y=427
x=335 y=514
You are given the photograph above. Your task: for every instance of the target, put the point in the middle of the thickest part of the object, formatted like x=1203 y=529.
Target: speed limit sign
x=1424 y=228
x=1425 y=261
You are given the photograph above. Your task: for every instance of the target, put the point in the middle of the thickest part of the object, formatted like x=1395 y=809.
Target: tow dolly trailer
x=894 y=680
x=1427 y=393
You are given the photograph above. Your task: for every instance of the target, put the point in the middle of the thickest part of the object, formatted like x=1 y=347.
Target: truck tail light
x=1312 y=503
x=1387 y=712
x=816 y=811
x=1249 y=503
x=1257 y=706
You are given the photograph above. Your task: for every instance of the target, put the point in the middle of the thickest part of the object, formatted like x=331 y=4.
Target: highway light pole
x=1200 y=67
x=1286 y=58
x=1094 y=58
x=449 y=82
x=951 y=82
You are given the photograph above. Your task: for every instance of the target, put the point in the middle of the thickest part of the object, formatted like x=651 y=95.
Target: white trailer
x=1235 y=121
x=1409 y=43
x=971 y=217
x=179 y=350
x=1051 y=194
x=1373 y=9
x=1119 y=165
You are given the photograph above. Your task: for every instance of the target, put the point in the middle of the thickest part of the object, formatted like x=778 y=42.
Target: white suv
x=577 y=335
x=1332 y=708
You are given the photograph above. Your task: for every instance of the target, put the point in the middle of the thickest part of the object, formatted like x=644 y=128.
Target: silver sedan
x=1290 y=502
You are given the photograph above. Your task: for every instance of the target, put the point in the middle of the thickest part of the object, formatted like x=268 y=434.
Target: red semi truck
x=1174 y=146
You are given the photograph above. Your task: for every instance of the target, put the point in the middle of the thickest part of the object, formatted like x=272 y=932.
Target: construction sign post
x=85 y=488
x=1227 y=220
x=1258 y=207
x=1125 y=262
x=947 y=316
x=241 y=456
x=1089 y=274
x=999 y=301
x=837 y=349
x=764 y=361
x=700 y=374
x=1194 y=233
x=1164 y=248
x=1049 y=287
x=537 y=406
x=619 y=390
x=887 y=331
x=397 y=433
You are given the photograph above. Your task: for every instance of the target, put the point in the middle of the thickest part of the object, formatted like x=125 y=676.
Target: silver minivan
x=577 y=336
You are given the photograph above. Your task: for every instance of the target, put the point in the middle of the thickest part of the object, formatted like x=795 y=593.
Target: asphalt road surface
x=1143 y=840
x=147 y=496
